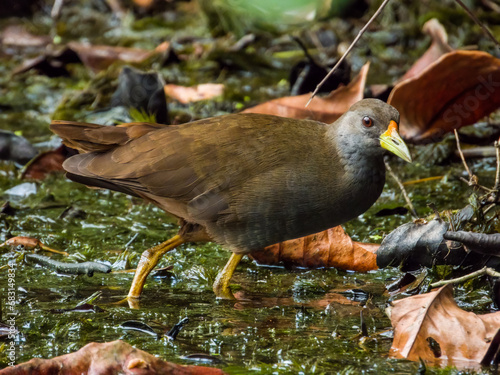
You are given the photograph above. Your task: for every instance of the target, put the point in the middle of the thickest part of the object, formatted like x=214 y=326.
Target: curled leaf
x=99 y=57
x=194 y=94
x=116 y=357
x=457 y=90
x=432 y=327
x=330 y=248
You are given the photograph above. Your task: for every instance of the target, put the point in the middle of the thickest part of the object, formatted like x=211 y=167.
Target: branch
x=361 y=32
x=403 y=190
x=479 y=23
x=483 y=271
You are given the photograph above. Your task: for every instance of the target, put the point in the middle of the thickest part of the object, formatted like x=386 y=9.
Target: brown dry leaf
x=100 y=57
x=326 y=109
x=30 y=243
x=116 y=357
x=462 y=337
x=45 y=163
x=330 y=248
x=457 y=90
x=26 y=242
x=438 y=48
x=194 y=94
x=18 y=36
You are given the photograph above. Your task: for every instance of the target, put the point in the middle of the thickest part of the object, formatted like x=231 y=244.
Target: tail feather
x=86 y=137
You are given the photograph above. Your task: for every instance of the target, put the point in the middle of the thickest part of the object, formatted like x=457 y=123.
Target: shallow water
x=284 y=321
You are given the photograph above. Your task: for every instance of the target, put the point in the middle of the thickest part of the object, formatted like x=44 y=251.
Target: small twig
x=488 y=209
x=483 y=271
x=131 y=240
x=475 y=184
x=462 y=155
x=56 y=8
x=403 y=190
x=473 y=181
x=497 y=176
x=361 y=32
x=479 y=23
x=433 y=207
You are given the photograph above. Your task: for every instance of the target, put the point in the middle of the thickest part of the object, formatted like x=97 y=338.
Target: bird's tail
x=86 y=137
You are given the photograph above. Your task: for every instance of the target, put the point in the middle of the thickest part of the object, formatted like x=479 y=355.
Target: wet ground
x=284 y=321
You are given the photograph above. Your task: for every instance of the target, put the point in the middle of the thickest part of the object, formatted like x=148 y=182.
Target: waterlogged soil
x=284 y=321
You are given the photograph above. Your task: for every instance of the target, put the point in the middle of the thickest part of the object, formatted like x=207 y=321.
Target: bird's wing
x=195 y=170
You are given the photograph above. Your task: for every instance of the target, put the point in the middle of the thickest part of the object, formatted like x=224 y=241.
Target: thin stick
x=497 y=176
x=475 y=184
x=56 y=8
x=459 y=280
x=483 y=271
x=462 y=155
x=479 y=23
x=403 y=190
x=379 y=10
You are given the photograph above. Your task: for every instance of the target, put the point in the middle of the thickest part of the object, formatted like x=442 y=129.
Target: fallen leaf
x=51 y=63
x=457 y=90
x=30 y=243
x=100 y=57
x=17 y=36
x=194 y=94
x=427 y=322
x=438 y=48
x=330 y=248
x=95 y=57
x=116 y=357
x=326 y=109
x=45 y=163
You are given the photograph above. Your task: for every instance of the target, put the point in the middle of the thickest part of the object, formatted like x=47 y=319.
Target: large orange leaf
x=457 y=90
x=432 y=327
x=327 y=109
x=99 y=57
x=116 y=357
x=330 y=248
x=196 y=93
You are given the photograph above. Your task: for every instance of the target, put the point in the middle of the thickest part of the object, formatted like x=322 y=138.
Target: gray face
x=366 y=121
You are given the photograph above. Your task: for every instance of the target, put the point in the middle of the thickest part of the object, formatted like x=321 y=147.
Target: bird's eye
x=367 y=121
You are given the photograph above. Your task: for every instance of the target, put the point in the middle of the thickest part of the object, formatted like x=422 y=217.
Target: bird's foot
x=223 y=292
x=221 y=285
x=132 y=302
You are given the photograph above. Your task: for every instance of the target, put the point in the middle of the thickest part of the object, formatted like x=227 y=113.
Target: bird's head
x=374 y=124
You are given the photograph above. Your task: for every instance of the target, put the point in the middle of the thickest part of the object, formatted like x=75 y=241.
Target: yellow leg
x=149 y=259
x=221 y=285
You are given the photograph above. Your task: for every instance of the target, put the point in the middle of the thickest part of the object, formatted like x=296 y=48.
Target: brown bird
x=245 y=181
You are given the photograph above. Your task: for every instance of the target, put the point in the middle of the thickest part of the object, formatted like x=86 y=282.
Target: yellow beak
x=391 y=141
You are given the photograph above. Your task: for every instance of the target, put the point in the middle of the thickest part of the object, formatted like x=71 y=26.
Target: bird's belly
x=299 y=213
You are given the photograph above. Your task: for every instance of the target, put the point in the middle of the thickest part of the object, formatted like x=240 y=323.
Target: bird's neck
x=363 y=166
